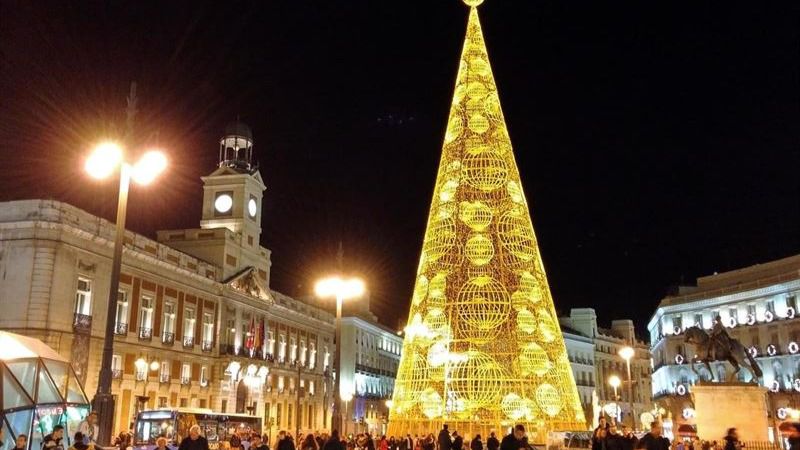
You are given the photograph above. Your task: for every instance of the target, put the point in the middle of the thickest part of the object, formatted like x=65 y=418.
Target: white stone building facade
x=758 y=306
x=594 y=355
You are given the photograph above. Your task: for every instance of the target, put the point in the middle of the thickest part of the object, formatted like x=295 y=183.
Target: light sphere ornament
x=482 y=303
x=478 y=379
x=533 y=360
x=420 y=290
x=549 y=399
x=526 y=322
x=479 y=249
x=473 y=3
x=548 y=330
x=513 y=406
x=431 y=403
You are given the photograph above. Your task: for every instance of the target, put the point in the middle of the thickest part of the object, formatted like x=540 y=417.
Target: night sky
x=657 y=141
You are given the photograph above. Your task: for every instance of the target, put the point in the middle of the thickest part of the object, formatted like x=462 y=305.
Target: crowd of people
x=608 y=436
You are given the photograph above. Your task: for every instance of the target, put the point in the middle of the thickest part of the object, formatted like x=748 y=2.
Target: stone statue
x=719 y=346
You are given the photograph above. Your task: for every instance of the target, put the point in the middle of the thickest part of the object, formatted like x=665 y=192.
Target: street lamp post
x=627 y=353
x=614 y=381
x=143 y=367
x=346 y=399
x=341 y=289
x=103 y=162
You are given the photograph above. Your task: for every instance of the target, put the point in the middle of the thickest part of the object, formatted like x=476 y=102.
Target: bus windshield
x=153 y=424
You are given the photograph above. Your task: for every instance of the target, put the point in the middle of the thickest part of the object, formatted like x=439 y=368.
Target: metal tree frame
x=483 y=349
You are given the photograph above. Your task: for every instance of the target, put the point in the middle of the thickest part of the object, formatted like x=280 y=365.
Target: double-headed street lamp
x=627 y=353
x=105 y=160
x=341 y=289
x=143 y=367
x=614 y=381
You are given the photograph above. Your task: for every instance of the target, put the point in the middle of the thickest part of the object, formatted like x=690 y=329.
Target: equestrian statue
x=719 y=346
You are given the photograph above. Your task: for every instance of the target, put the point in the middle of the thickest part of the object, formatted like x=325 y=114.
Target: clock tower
x=230 y=224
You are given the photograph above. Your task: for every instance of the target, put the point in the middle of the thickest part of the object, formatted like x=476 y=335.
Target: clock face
x=223 y=203
x=252 y=207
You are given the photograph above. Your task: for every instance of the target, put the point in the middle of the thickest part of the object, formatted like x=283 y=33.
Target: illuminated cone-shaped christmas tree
x=483 y=349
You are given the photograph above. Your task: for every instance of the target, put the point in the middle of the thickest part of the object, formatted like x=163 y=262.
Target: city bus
x=174 y=424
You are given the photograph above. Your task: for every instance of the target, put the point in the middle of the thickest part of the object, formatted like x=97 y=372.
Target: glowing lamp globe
x=473 y=3
x=104 y=160
x=614 y=381
x=626 y=353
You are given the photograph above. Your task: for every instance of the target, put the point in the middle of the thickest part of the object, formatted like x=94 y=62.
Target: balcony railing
x=207 y=346
x=145 y=334
x=163 y=378
x=116 y=373
x=82 y=323
x=188 y=341
x=167 y=338
x=121 y=329
x=186 y=381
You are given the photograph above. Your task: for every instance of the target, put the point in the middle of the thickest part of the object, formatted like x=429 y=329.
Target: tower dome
x=236 y=147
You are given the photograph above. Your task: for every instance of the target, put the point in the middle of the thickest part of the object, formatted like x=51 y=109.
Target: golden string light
x=482 y=347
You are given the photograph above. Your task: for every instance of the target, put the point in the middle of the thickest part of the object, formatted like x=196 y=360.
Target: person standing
x=256 y=443
x=194 y=441
x=53 y=440
x=476 y=443
x=654 y=440
x=492 y=443
x=78 y=443
x=21 y=443
x=629 y=439
x=284 y=441
x=515 y=439
x=732 y=440
x=383 y=444
x=444 y=442
x=89 y=428
x=614 y=440
x=334 y=443
x=458 y=441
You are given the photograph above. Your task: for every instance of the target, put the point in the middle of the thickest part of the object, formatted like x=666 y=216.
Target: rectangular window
x=208 y=327
x=751 y=309
x=165 y=375
x=791 y=302
x=184 y=403
x=312 y=363
x=303 y=352
x=230 y=331
x=282 y=348
x=116 y=363
x=146 y=313
x=122 y=312
x=771 y=306
x=186 y=373
x=224 y=406
x=292 y=349
x=311 y=387
x=278 y=414
x=289 y=416
x=204 y=376
x=698 y=320
x=169 y=320
x=677 y=323
x=326 y=358
x=271 y=342
x=734 y=313
x=188 y=322
x=83 y=297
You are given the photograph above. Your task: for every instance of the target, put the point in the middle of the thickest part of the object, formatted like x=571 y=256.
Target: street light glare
x=614 y=381
x=149 y=167
x=104 y=160
x=346 y=397
x=626 y=353
x=154 y=366
x=140 y=364
x=337 y=287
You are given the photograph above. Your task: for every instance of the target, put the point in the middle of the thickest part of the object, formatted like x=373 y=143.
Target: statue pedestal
x=719 y=406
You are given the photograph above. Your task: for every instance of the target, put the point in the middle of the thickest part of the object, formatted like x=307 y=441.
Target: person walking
x=89 y=428
x=383 y=444
x=429 y=443
x=257 y=443
x=194 y=441
x=284 y=441
x=492 y=443
x=515 y=439
x=444 y=442
x=477 y=443
x=309 y=443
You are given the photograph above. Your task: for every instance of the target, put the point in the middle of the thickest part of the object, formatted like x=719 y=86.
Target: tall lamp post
x=143 y=367
x=105 y=160
x=346 y=399
x=627 y=353
x=614 y=381
x=341 y=289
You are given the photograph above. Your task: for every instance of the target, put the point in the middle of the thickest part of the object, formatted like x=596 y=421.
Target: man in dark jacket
x=732 y=439
x=614 y=440
x=407 y=443
x=53 y=440
x=629 y=439
x=194 y=441
x=654 y=440
x=334 y=443
x=444 y=442
x=515 y=440
x=284 y=442
x=493 y=444
x=257 y=444
x=458 y=441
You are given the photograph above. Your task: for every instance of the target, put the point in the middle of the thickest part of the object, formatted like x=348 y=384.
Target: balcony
x=186 y=381
x=116 y=373
x=167 y=338
x=163 y=378
x=188 y=341
x=204 y=383
x=82 y=323
x=145 y=334
x=121 y=329
x=207 y=346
